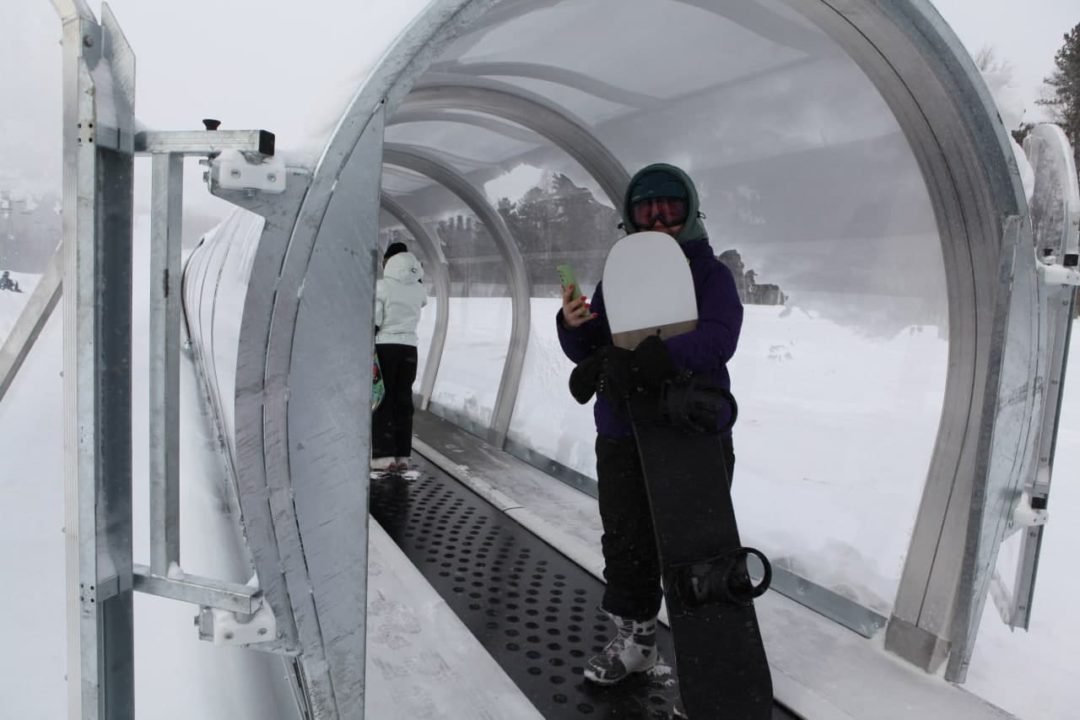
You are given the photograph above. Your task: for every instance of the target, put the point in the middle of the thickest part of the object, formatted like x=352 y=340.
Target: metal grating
x=532 y=609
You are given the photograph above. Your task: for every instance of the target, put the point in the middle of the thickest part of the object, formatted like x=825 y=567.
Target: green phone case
x=567 y=277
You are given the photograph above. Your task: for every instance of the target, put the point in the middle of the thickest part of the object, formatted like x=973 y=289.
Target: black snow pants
x=631 y=559
x=391 y=425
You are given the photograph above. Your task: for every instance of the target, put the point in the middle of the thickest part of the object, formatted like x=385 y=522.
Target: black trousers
x=631 y=559
x=391 y=425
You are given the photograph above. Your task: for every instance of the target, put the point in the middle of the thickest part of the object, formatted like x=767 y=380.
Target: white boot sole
x=588 y=675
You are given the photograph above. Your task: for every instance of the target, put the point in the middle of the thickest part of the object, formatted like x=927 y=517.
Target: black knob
x=211 y=124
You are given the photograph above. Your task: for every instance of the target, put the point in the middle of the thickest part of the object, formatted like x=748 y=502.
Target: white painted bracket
x=225 y=628
x=1058 y=275
x=1025 y=516
x=251 y=172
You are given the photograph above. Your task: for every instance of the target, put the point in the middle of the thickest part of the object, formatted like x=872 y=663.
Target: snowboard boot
x=381 y=466
x=632 y=650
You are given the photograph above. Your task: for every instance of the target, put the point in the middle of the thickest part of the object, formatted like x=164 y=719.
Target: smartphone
x=567 y=278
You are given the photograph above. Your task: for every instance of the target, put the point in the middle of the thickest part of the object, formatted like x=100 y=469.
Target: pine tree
x=1065 y=81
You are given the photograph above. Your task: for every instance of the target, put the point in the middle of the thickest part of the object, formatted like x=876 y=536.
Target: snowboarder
x=659 y=198
x=6 y=283
x=399 y=295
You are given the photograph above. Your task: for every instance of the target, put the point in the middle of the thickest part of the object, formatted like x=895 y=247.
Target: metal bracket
x=236 y=170
x=1058 y=275
x=204 y=142
x=222 y=627
x=1028 y=513
x=178 y=585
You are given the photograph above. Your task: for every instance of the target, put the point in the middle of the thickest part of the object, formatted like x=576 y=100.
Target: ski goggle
x=670 y=211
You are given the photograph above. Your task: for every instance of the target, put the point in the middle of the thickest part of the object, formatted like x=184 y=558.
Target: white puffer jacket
x=398 y=299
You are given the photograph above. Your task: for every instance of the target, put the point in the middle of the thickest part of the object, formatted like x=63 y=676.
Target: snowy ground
x=834 y=439
x=858 y=417
x=835 y=429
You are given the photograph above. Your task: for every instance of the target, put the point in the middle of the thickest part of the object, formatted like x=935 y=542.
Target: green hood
x=693 y=229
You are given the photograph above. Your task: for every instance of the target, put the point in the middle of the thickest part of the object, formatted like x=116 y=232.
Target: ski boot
x=632 y=650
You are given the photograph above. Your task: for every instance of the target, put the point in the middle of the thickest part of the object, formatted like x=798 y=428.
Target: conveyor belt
x=534 y=610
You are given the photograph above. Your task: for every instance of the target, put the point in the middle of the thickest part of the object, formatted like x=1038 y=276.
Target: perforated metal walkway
x=533 y=610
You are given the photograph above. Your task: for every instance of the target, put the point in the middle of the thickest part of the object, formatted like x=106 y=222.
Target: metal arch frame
x=1016 y=600
x=505 y=101
x=934 y=90
x=924 y=75
x=418 y=160
x=552 y=74
x=922 y=72
x=506 y=129
x=442 y=292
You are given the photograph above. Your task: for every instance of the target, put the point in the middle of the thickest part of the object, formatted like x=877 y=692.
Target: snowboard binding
x=721 y=579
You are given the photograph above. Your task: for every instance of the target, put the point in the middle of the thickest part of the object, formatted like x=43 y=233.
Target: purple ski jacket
x=705 y=351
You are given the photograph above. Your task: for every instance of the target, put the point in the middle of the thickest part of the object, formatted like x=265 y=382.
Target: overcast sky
x=234 y=59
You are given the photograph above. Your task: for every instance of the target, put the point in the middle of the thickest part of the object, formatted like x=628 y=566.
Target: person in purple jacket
x=660 y=198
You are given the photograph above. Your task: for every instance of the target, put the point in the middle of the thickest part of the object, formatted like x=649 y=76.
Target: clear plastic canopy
x=812 y=195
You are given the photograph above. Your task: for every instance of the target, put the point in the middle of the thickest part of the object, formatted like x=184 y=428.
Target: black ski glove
x=697 y=405
x=585 y=377
x=652 y=363
x=614 y=372
x=606 y=372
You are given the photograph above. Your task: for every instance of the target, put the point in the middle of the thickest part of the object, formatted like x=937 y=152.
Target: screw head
x=235 y=173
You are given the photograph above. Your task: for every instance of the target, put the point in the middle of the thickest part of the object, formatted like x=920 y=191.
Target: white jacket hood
x=405 y=268
x=398 y=299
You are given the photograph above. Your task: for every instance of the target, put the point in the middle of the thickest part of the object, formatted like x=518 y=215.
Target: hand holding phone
x=575 y=310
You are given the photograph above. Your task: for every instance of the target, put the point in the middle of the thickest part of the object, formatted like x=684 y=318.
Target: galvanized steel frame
x=1059 y=304
x=934 y=90
x=438 y=91
x=924 y=75
x=417 y=160
x=951 y=123
x=98 y=129
x=167 y=194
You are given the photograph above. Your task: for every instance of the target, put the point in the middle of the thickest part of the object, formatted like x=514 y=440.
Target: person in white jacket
x=399 y=295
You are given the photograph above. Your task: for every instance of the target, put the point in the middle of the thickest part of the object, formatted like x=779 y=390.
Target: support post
x=166 y=203
x=98 y=181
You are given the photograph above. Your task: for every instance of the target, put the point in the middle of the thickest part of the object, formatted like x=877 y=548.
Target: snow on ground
x=11 y=303
x=178 y=677
x=835 y=429
x=834 y=439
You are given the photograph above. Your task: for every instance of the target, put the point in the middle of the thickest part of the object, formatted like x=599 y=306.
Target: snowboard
x=722 y=668
x=378 y=387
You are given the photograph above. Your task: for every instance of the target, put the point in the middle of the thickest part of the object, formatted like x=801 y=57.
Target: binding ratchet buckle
x=723 y=578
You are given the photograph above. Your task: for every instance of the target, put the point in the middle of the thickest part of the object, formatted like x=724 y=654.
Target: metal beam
x=203 y=142
x=487 y=122
x=164 y=366
x=234 y=597
x=441 y=273
x=421 y=161
x=555 y=74
x=457 y=92
x=97 y=210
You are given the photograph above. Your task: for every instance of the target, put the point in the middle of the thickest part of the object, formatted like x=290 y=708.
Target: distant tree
x=1064 y=104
